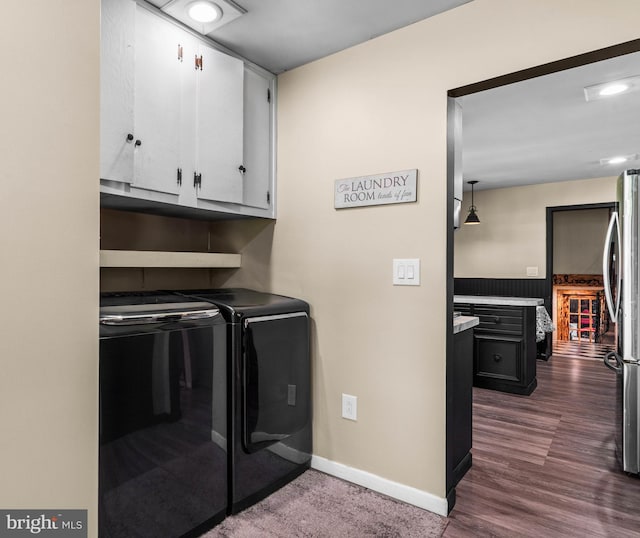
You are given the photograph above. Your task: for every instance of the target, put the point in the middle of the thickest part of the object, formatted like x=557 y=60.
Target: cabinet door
x=219 y=126
x=498 y=357
x=157 y=103
x=117 y=25
x=257 y=140
x=188 y=115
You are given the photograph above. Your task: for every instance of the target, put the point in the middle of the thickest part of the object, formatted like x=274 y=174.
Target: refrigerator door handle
x=613 y=309
x=616 y=364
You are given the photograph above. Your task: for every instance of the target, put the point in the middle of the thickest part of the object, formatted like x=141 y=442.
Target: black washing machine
x=270 y=439
x=163 y=416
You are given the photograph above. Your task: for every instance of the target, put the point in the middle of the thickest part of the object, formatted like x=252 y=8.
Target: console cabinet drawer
x=500 y=324
x=498 y=357
x=500 y=319
x=501 y=311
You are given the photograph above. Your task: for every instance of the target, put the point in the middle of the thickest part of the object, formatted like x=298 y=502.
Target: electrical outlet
x=349 y=407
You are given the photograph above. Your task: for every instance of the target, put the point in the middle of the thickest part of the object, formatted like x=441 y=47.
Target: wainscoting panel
x=503 y=287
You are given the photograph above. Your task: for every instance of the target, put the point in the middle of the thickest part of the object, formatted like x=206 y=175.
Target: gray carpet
x=318 y=505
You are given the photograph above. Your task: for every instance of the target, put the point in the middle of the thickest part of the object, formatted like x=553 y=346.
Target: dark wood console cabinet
x=504 y=347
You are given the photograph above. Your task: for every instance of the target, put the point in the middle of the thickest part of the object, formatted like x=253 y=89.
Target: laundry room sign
x=390 y=188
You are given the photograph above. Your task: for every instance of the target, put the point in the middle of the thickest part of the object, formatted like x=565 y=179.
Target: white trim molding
x=401 y=492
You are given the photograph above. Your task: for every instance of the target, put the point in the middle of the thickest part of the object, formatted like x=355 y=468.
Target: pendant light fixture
x=472 y=217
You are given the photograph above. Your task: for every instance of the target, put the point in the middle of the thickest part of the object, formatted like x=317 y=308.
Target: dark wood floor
x=544 y=465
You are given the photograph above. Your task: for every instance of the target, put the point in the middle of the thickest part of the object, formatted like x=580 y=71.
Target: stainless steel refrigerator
x=621 y=272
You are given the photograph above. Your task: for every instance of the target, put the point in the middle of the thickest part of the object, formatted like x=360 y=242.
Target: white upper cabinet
x=116 y=95
x=219 y=126
x=257 y=139
x=158 y=90
x=188 y=113
x=185 y=128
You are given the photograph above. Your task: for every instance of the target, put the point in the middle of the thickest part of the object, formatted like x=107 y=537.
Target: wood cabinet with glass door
x=584 y=317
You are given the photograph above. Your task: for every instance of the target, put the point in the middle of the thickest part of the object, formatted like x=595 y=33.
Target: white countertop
x=462 y=323
x=507 y=301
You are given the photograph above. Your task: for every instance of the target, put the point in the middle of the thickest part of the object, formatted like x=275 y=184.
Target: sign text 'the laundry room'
x=391 y=188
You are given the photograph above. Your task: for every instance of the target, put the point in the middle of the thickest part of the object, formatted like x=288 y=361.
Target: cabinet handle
x=198 y=63
x=242 y=169
x=497 y=357
x=179 y=176
x=179 y=53
x=129 y=137
x=138 y=142
x=197 y=180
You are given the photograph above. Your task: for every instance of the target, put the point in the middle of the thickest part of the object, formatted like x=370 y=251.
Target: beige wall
x=512 y=233
x=578 y=239
x=49 y=239
x=376 y=108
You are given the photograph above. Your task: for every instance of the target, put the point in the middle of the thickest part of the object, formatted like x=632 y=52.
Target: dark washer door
x=163 y=446
x=277 y=385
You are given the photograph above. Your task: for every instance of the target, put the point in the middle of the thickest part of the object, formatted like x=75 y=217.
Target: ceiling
x=544 y=130
x=282 y=34
x=537 y=131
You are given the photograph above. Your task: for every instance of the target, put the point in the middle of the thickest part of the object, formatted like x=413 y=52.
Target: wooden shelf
x=148 y=258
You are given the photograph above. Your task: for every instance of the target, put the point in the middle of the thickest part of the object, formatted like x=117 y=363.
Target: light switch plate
x=406 y=272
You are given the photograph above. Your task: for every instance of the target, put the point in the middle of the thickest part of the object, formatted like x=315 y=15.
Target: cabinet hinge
x=180 y=51
x=197 y=180
x=179 y=176
x=198 y=62
x=268 y=197
x=268 y=95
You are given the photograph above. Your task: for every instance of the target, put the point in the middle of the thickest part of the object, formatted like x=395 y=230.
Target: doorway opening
x=577 y=370
x=575 y=240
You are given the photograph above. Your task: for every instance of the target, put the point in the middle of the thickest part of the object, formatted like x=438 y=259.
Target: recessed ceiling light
x=611 y=88
x=204 y=16
x=204 y=11
x=614 y=89
x=619 y=159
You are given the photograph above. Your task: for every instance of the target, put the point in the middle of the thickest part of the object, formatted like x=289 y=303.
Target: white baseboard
x=403 y=493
